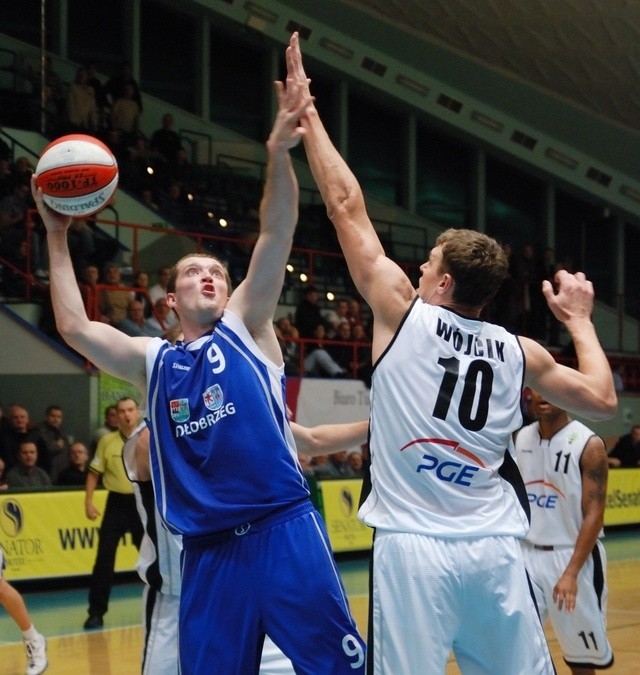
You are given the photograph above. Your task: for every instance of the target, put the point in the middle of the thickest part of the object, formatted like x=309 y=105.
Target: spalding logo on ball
x=78 y=175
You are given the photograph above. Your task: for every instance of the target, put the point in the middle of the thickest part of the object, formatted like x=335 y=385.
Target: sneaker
x=94 y=621
x=36 y=655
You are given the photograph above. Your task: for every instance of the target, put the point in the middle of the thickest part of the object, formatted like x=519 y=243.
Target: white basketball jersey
x=551 y=472
x=158 y=562
x=445 y=400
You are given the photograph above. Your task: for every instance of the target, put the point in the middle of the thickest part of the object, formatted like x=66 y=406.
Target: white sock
x=30 y=633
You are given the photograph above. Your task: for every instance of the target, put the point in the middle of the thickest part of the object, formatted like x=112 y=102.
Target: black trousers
x=120 y=516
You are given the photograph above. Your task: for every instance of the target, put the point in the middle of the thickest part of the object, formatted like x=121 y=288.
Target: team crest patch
x=213 y=397
x=179 y=409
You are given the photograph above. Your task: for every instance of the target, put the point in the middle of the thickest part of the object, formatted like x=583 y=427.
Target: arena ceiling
x=584 y=51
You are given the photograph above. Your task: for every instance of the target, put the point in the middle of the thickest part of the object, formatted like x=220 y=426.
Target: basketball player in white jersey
x=225 y=471
x=159 y=560
x=564 y=468
x=446 y=498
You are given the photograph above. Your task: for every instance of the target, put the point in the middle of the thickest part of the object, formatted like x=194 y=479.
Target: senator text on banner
x=46 y=534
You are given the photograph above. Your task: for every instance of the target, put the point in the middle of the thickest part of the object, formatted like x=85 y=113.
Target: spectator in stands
x=354 y=313
x=82 y=245
x=288 y=336
x=173 y=204
x=3 y=475
x=114 y=301
x=76 y=471
x=164 y=317
x=141 y=292
x=317 y=360
x=356 y=463
x=335 y=317
x=135 y=324
x=53 y=443
x=22 y=168
x=82 y=108
x=322 y=467
x=98 y=92
x=308 y=314
x=361 y=368
x=165 y=140
x=626 y=452
x=343 y=354
x=125 y=115
x=116 y=86
x=19 y=429
x=25 y=474
x=19 y=238
x=114 y=140
x=159 y=289
x=340 y=465
x=88 y=285
x=109 y=425
x=6 y=177
x=52 y=80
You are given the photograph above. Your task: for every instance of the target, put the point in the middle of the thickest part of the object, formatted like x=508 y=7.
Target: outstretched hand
x=295 y=69
x=293 y=98
x=53 y=221
x=573 y=299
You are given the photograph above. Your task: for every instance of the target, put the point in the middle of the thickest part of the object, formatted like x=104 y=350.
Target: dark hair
x=476 y=262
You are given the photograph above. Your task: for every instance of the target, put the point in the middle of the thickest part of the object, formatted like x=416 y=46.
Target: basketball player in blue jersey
x=159 y=561
x=446 y=499
x=256 y=556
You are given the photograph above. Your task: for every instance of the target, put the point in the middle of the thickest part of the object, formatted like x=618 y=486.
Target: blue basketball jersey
x=222 y=452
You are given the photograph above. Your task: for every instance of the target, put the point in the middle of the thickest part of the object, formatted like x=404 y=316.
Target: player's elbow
x=604 y=410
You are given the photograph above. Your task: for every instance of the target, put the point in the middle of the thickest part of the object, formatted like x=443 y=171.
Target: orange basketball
x=78 y=175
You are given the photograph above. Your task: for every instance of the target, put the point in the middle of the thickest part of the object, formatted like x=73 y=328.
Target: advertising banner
x=339 y=499
x=623 y=497
x=46 y=534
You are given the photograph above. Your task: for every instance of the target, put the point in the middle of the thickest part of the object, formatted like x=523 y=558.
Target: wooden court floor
x=115 y=650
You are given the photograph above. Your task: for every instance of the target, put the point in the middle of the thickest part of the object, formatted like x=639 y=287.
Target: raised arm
x=587 y=391
x=103 y=345
x=325 y=439
x=256 y=298
x=383 y=285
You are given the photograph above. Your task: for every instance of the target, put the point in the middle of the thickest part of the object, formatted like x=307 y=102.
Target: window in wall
x=105 y=48
x=586 y=242
x=514 y=203
x=238 y=86
x=442 y=179
x=631 y=270
x=167 y=57
x=375 y=148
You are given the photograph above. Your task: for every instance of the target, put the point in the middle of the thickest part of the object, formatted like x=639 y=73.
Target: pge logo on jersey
x=448 y=471
x=546 y=500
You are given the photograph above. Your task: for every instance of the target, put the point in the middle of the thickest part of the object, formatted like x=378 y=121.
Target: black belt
x=543 y=548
